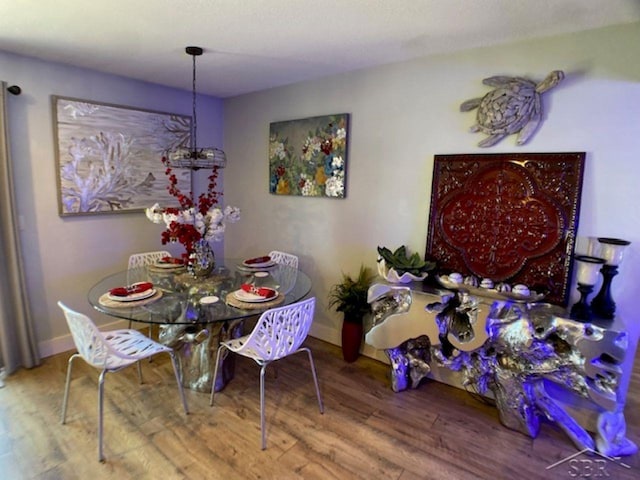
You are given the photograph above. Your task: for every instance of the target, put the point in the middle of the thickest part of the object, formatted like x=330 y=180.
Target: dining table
x=195 y=313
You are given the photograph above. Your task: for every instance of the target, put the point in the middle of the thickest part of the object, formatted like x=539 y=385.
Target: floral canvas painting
x=308 y=157
x=109 y=157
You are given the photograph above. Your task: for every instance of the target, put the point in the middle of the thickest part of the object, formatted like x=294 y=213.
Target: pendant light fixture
x=195 y=157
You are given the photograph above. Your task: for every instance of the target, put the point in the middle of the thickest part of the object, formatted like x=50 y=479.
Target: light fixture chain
x=195 y=121
x=194 y=158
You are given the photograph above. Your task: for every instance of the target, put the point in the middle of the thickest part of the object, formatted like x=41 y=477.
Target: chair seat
x=238 y=344
x=131 y=346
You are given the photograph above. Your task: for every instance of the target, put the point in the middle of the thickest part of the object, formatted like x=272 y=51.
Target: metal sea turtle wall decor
x=513 y=106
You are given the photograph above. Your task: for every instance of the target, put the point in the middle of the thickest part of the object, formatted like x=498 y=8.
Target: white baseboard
x=325 y=334
x=64 y=343
x=334 y=337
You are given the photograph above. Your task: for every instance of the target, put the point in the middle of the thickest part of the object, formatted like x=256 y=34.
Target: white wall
x=401 y=116
x=404 y=114
x=65 y=256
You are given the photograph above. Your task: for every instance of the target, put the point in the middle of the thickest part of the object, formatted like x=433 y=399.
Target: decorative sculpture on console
x=528 y=353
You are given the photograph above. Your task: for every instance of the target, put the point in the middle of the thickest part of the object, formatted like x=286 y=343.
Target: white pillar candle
x=612 y=250
x=588 y=268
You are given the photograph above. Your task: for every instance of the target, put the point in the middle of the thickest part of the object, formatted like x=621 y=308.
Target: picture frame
x=109 y=157
x=308 y=156
x=507 y=217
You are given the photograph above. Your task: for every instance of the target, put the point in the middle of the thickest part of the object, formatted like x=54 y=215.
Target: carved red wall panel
x=508 y=217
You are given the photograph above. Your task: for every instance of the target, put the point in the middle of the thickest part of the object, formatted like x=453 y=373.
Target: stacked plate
x=257 y=264
x=169 y=264
x=254 y=297
x=134 y=294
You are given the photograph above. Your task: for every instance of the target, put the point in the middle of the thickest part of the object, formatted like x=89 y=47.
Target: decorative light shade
x=588 y=269
x=612 y=249
x=195 y=157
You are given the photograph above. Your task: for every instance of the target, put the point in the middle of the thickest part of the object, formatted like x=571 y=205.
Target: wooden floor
x=367 y=431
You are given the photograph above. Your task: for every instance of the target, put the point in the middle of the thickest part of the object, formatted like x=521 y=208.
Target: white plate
x=251 y=297
x=168 y=265
x=256 y=268
x=134 y=296
x=209 y=300
x=249 y=264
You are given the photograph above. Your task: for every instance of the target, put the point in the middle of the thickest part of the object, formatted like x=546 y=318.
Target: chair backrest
x=284 y=258
x=280 y=331
x=147 y=258
x=135 y=271
x=88 y=339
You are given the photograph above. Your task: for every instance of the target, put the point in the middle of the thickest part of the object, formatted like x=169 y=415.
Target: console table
x=531 y=358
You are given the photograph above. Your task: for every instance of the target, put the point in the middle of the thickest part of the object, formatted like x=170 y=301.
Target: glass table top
x=182 y=299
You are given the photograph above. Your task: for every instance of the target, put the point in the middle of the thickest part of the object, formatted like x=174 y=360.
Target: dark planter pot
x=351 y=340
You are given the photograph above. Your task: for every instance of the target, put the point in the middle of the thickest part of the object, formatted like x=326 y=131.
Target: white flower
x=187 y=216
x=311 y=148
x=231 y=214
x=169 y=218
x=276 y=149
x=309 y=188
x=337 y=162
x=211 y=225
x=215 y=232
x=334 y=186
x=154 y=213
x=199 y=223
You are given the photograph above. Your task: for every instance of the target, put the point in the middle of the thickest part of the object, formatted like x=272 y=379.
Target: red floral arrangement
x=190 y=222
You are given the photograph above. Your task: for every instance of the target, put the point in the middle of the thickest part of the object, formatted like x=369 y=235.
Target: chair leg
x=139 y=365
x=174 y=362
x=65 y=399
x=100 y=413
x=215 y=372
x=315 y=377
x=262 y=422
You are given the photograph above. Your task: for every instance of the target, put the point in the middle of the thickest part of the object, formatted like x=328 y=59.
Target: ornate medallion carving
x=508 y=217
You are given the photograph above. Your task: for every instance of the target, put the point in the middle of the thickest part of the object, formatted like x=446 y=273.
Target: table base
x=196 y=346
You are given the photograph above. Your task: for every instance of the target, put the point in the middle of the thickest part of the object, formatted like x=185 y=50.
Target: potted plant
x=350 y=297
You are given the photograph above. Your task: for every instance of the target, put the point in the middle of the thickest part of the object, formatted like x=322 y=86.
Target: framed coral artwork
x=308 y=157
x=508 y=217
x=109 y=157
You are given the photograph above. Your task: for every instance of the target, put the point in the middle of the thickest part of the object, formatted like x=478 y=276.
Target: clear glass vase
x=202 y=260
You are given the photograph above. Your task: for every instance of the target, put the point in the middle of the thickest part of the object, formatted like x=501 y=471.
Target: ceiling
x=253 y=45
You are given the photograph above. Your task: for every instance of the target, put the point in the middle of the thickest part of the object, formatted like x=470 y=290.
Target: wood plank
x=367 y=430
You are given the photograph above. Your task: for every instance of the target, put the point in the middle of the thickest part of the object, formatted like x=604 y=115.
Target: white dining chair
x=284 y=258
x=285 y=276
x=278 y=333
x=147 y=258
x=135 y=273
x=138 y=260
x=110 y=352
